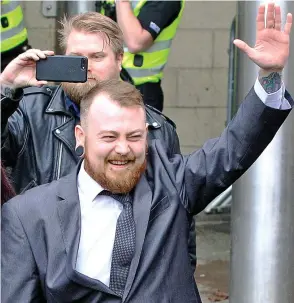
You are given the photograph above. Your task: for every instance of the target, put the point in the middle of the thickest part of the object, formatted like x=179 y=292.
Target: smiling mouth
x=119 y=163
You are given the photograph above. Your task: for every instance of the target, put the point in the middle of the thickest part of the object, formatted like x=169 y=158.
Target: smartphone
x=62 y=69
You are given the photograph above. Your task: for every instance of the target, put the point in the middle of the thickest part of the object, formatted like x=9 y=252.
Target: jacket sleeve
x=14 y=130
x=204 y=174
x=19 y=276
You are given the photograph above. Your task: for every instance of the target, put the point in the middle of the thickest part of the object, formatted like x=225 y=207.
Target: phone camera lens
x=83 y=64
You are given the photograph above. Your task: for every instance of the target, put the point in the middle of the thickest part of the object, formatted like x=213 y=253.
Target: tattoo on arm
x=271 y=83
x=10 y=92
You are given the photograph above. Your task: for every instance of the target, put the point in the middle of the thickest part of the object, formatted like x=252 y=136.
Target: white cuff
x=274 y=100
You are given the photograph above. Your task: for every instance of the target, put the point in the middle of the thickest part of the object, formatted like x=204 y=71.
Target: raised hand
x=21 y=72
x=271 y=49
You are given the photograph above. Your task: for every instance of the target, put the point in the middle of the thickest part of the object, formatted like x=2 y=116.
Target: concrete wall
x=195 y=83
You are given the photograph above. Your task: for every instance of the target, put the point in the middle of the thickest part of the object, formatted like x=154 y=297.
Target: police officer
x=149 y=28
x=14 y=37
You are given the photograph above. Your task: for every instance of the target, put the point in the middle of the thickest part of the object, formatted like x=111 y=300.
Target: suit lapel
x=70 y=221
x=141 y=210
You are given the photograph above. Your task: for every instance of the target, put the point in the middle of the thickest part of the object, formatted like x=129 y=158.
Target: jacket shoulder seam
x=164 y=117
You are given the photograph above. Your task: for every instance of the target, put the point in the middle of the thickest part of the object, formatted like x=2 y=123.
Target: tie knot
x=122 y=198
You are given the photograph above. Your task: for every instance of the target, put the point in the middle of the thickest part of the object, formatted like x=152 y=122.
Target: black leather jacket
x=38 y=141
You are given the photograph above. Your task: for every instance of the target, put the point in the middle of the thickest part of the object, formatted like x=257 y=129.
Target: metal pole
x=262 y=262
x=78 y=7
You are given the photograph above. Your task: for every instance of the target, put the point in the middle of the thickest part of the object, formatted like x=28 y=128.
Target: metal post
x=77 y=7
x=262 y=262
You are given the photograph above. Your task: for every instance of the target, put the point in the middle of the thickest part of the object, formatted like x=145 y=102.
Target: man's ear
x=147 y=126
x=119 y=60
x=80 y=136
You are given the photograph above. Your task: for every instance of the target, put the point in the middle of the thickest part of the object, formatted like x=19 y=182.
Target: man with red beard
x=38 y=121
x=116 y=229
x=38 y=142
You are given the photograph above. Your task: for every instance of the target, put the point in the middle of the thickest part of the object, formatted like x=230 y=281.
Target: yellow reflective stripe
x=157 y=46
x=14 y=17
x=8 y=7
x=13 y=41
x=145 y=72
x=154 y=79
x=13 y=31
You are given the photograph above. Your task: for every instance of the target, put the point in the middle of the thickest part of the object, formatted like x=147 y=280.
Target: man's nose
x=122 y=147
x=89 y=65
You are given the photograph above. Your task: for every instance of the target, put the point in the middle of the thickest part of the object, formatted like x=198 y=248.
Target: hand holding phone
x=21 y=71
x=62 y=69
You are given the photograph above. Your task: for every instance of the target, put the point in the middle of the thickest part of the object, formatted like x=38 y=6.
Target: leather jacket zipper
x=60 y=155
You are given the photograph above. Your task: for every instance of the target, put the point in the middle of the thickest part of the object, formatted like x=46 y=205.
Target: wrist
x=6 y=83
x=266 y=72
x=271 y=81
x=11 y=92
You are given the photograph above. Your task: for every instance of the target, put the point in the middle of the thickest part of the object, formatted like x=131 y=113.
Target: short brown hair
x=92 y=22
x=121 y=92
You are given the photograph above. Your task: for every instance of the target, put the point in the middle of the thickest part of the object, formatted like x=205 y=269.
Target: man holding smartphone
x=38 y=122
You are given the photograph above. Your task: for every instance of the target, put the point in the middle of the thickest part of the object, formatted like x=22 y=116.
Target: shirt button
x=155 y=124
x=57 y=131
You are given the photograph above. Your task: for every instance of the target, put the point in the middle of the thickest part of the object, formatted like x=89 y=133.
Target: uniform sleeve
x=155 y=16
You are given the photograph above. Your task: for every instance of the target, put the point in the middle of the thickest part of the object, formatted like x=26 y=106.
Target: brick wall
x=195 y=83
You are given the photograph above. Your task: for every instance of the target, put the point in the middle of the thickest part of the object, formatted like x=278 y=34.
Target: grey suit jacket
x=41 y=228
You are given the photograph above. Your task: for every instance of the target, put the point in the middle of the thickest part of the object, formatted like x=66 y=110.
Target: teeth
x=119 y=162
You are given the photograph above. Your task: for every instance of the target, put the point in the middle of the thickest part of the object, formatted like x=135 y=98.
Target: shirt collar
x=87 y=185
x=72 y=107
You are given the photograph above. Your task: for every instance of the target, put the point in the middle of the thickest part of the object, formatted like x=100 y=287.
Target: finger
x=278 y=18
x=40 y=53
x=48 y=52
x=243 y=47
x=288 y=25
x=37 y=52
x=41 y=83
x=270 y=16
x=38 y=83
x=27 y=56
x=260 y=18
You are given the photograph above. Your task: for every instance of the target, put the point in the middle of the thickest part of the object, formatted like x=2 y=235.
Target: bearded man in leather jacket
x=38 y=121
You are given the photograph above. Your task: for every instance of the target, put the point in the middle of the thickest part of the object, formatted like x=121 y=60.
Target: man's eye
x=137 y=137
x=98 y=57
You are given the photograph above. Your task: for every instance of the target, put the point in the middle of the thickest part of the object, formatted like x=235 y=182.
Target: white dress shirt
x=99 y=214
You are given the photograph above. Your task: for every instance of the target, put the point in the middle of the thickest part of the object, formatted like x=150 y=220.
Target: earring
x=80 y=151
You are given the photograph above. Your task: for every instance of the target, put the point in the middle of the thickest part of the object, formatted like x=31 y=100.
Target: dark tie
x=124 y=243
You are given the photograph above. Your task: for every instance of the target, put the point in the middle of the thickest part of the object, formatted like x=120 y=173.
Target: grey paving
x=213 y=253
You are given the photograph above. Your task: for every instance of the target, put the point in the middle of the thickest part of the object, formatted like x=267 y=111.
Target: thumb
x=243 y=47
x=38 y=83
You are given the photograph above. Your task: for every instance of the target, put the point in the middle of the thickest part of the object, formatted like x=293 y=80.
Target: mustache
x=90 y=76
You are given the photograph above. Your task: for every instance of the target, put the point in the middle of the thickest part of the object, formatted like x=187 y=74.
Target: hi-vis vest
x=13 y=32
x=148 y=66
